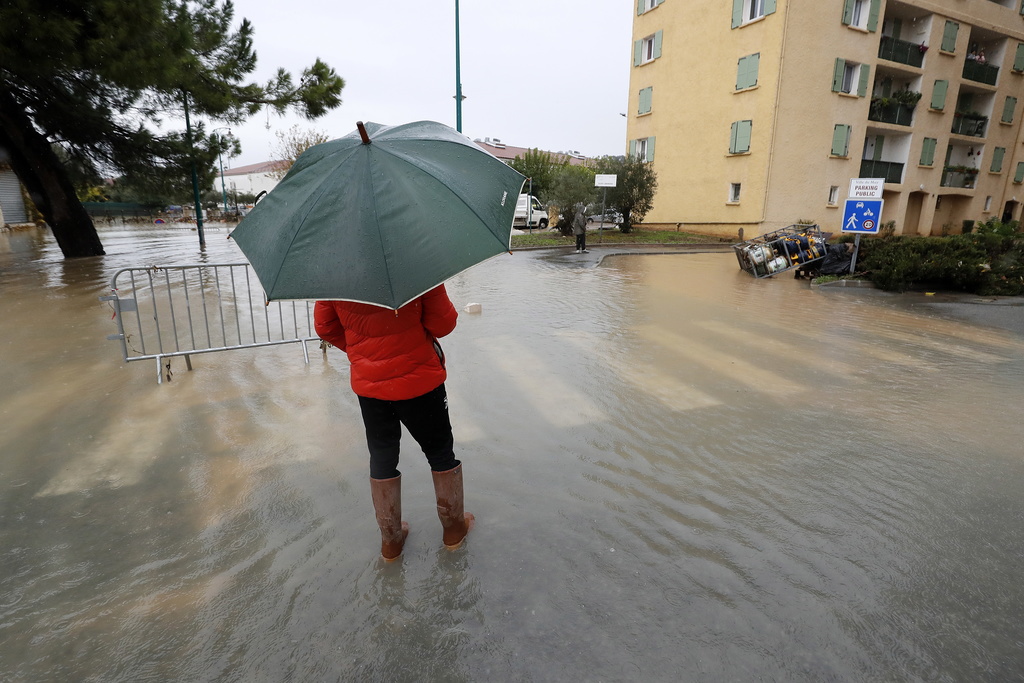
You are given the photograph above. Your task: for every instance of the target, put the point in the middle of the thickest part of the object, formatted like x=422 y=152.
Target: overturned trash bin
x=795 y=246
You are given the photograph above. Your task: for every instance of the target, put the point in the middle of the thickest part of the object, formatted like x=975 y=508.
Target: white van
x=530 y=213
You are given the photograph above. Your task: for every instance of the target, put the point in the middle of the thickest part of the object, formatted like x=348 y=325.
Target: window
x=928 y=151
x=1008 y=106
x=997 y=160
x=734 y=193
x=939 y=94
x=739 y=137
x=988 y=203
x=746 y=71
x=745 y=11
x=841 y=140
x=646 y=5
x=949 y=36
x=833 y=195
x=861 y=14
x=645 y=100
x=850 y=77
x=1018 y=59
x=1018 y=177
x=647 y=49
x=642 y=148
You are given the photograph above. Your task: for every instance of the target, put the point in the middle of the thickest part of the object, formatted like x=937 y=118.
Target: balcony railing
x=890 y=170
x=974 y=127
x=953 y=177
x=982 y=73
x=893 y=113
x=902 y=51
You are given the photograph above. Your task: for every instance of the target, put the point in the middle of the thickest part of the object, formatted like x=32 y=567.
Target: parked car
x=610 y=219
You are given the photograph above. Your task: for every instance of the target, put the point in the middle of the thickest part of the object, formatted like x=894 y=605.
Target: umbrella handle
x=362 y=132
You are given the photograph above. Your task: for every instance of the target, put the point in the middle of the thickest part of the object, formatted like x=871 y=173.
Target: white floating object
x=473 y=308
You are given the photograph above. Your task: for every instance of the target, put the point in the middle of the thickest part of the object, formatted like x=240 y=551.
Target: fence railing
x=892 y=171
x=901 y=51
x=167 y=311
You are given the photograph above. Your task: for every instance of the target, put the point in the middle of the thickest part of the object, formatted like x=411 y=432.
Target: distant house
x=253 y=178
x=508 y=153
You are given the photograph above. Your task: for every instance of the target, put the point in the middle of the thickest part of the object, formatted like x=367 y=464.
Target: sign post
x=604 y=180
x=862 y=214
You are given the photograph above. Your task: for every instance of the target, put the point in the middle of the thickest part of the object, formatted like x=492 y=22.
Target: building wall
x=790 y=171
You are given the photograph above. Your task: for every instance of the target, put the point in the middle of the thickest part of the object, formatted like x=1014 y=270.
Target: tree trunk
x=43 y=175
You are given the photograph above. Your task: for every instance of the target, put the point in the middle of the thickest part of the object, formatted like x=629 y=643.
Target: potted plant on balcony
x=907 y=97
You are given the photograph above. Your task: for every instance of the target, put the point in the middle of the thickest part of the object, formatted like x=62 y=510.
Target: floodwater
x=678 y=473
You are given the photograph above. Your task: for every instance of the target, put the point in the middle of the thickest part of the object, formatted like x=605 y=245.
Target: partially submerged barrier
x=167 y=311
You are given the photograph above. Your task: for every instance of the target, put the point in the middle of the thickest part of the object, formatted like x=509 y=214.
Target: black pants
x=581 y=241
x=426 y=418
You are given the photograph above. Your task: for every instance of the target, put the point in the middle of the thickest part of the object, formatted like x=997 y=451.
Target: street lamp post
x=220 y=160
x=195 y=175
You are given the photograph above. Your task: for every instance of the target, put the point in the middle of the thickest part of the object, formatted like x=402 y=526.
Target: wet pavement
x=678 y=472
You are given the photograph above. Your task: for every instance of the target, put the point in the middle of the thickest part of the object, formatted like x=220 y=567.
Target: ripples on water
x=679 y=473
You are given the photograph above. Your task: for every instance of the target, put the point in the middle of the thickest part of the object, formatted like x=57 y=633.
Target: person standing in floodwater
x=579 y=228
x=398 y=375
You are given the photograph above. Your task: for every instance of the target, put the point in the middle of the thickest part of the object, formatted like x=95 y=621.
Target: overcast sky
x=551 y=74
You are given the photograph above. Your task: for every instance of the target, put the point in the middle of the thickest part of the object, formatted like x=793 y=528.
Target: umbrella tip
x=362 y=132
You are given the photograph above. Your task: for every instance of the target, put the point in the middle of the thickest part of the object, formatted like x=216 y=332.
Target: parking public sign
x=862 y=216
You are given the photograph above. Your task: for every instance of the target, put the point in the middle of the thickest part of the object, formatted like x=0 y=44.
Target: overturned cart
x=796 y=246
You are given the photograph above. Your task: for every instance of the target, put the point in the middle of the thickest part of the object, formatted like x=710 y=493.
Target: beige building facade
x=757 y=113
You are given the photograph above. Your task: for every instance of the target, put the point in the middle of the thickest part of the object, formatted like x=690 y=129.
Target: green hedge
x=988 y=261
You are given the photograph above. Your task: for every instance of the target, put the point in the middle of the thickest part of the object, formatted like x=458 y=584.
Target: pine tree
x=96 y=78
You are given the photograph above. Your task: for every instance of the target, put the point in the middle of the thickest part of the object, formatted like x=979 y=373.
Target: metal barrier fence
x=166 y=311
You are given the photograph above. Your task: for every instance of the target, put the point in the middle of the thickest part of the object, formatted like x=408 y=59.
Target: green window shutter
x=1018 y=177
x=949 y=36
x=732 y=136
x=769 y=7
x=737 y=13
x=939 y=94
x=865 y=72
x=645 y=100
x=650 y=148
x=848 y=12
x=639 y=7
x=743 y=137
x=1008 y=107
x=997 y=160
x=879 y=144
x=638 y=52
x=928 y=151
x=841 y=140
x=837 y=74
x=873 y=15
x=1022 y=7
x=1018 y=60
x=657 y=44
x=746 y=71
x=632 y=148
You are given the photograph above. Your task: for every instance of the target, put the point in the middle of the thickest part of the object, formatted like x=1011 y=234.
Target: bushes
x=989 y=261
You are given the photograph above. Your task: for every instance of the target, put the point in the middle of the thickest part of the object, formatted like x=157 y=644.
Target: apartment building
x=757 y=113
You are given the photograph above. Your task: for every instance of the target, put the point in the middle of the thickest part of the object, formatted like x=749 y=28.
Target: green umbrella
x=380 y=216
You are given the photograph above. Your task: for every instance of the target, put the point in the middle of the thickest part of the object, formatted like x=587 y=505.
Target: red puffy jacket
x=391 y=352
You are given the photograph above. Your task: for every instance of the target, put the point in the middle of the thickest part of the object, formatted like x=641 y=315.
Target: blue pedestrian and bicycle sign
x=862 y=216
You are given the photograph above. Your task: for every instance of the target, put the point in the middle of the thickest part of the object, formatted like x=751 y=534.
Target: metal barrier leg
x=188 y=362
x=159 y=370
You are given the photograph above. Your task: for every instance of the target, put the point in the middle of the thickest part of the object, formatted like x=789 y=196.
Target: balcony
x=981 y=73
x=890 y=170
x=958 y=176
x=901 y=51
x=890 y=112
x=969 y=124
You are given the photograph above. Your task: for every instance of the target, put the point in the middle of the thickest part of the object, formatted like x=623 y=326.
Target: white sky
x=552 y=74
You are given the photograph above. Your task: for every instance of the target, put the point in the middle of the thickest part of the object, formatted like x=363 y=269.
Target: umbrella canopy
x=380 y=216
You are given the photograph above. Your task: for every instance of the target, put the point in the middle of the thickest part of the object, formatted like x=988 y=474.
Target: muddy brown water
x=678 y=473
